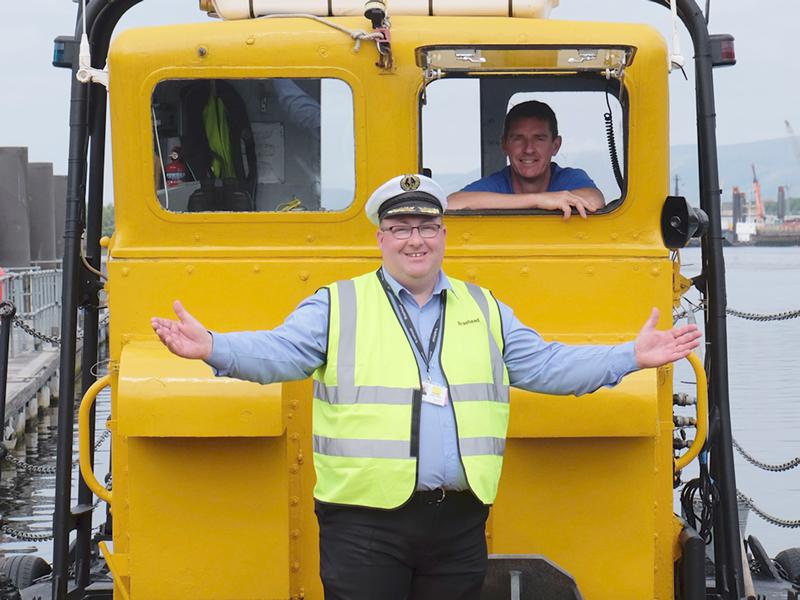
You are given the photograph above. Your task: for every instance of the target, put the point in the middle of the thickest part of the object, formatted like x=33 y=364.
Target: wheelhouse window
x=253 y=145
x=469 y=92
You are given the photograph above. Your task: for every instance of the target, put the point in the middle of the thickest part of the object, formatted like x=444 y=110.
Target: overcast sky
x=753 y=98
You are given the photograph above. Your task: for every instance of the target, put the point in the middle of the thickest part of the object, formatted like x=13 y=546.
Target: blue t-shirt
x=561 y=179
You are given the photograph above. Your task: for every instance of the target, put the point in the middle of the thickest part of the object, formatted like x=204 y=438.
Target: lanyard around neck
x=397 y=306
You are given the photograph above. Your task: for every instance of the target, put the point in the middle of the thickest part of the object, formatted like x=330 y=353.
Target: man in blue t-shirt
x=531 y=180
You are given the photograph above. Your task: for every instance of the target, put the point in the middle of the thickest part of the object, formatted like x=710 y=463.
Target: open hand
x=565 y=201
x=185 y=337
x=655 y=348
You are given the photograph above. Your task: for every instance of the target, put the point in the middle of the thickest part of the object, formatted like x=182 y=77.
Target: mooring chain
x=29 y=536
x=47 y=469
x=26 y=536
x=790 y=524
x=37 y=469
x=684 y=312
x=54 y=339
x=7 y=308
x=781 y=316
x=50 y=339
x=788 y=465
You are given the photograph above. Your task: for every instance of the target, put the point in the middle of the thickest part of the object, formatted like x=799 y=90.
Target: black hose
x=7 y=312
x=101 y=17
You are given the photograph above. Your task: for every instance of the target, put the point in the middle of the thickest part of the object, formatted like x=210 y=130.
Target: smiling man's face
x=530 y=146
x=416 y=260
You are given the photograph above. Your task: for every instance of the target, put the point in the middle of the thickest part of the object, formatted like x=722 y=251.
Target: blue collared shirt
x=296 y=348
x=562 y=179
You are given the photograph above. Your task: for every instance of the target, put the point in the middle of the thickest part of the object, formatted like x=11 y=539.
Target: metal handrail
x=701 y=430
x=85 y=443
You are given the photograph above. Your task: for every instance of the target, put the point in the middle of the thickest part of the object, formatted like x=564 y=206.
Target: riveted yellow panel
x=628 y=410
x=167 y=396
x=585 y=503
x=193 y=502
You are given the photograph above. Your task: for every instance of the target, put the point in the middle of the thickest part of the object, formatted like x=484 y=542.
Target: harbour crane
x=760 y=214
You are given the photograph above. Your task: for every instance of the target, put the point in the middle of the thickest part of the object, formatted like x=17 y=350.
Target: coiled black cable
x=704 y=490
x=612 y=144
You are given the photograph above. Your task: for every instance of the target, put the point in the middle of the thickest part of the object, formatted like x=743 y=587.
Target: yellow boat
x=244 y=150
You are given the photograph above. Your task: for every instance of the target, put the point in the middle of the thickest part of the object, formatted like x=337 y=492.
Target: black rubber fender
x=24 y=569
x=8 y=591
x=789 y=560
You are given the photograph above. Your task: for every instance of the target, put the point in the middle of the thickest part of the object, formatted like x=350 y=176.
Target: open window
x=469 y=91
x=253 y=145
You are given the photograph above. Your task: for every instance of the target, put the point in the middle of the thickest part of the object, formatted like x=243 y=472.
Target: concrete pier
x=32 y=381
x=41 y=211
x=15 y=248
x=32 y=211
x=33 y=366
x=32 y=387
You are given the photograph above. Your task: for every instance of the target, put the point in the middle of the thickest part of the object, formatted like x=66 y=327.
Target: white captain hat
x=414 y=195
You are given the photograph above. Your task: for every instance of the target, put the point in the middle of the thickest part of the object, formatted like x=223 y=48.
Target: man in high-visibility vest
x=411 y=372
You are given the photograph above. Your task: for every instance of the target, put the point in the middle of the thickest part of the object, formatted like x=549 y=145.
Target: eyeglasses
x=404 y=232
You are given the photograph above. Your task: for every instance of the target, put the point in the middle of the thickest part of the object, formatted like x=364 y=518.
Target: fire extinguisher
x=176 y=169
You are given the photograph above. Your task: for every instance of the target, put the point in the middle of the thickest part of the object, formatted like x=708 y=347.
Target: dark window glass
x=253 y=145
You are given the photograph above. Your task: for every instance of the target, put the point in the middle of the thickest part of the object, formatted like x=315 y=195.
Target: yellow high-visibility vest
x=367 y=396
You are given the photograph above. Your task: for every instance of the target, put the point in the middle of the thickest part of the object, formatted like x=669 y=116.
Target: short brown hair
x=531 y=109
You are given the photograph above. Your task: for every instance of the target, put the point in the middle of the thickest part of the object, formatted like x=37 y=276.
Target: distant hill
x=774 y=160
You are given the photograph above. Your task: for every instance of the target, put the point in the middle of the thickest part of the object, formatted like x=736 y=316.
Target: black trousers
x=424 y=550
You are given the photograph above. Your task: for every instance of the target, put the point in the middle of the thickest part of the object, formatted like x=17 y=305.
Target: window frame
x=323 y=215
x=547 y=82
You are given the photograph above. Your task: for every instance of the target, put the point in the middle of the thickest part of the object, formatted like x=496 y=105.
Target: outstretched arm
x=584 y=200
x=291 y=351
x=185 y=337
x=655 y=348
x=562 y=369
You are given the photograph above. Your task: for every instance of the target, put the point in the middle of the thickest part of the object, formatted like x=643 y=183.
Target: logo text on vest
x=469 y=322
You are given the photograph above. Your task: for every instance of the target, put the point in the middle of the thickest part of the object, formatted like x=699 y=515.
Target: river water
x=27 y=500
x=764 y=365
x=764 y=381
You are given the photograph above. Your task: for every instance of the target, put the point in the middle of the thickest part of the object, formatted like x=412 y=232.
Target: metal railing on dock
x=36 y=294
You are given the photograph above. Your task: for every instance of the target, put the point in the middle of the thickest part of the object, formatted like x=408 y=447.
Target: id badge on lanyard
x=433 y=393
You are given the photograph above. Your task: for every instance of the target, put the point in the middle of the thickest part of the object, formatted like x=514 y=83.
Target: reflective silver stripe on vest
x=364 y=394
x=363 y=448
x=501 y=390
x=480 y=446
x=469 y=392
x=346 y=356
